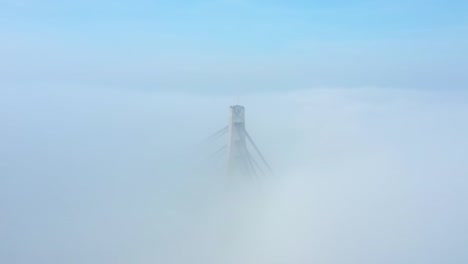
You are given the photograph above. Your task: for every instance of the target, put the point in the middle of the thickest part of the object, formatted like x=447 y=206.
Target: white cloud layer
x=106 y=176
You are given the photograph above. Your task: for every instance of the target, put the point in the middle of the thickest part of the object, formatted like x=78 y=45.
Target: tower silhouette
x=240 y=163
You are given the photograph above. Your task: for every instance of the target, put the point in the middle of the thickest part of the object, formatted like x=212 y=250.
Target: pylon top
x=237 y=114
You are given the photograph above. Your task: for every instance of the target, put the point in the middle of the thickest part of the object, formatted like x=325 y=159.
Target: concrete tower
x=241 y=164
x=238 y=155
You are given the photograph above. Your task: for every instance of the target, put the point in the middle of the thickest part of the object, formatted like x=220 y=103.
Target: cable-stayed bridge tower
x=240 y=162
x=237 y=153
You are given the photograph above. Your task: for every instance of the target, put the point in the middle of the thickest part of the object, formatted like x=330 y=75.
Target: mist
x=105 y=175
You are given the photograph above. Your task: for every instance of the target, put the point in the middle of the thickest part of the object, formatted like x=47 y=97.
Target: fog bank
x=103 y=175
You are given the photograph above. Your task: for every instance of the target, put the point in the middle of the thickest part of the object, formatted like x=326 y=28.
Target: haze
x=360 y=108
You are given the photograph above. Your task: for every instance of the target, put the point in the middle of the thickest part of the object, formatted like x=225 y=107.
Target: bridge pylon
x=241 y=164
x=238 y=156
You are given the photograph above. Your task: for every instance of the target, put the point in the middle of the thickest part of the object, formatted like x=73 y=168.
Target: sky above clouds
x=236 y=46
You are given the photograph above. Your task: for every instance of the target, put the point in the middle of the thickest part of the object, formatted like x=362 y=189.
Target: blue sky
x=226 y=46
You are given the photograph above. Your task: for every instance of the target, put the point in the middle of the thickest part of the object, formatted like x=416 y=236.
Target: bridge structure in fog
x=241 y=161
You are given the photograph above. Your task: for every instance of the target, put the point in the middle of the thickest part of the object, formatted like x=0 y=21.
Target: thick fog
x=110 y=176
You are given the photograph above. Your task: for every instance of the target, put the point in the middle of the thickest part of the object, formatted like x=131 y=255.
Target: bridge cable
x=216 y=135
x=258 y=152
